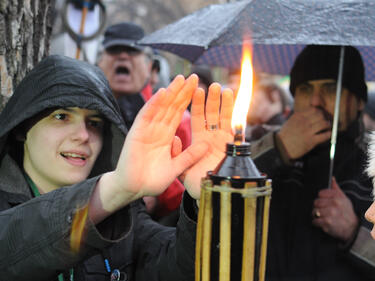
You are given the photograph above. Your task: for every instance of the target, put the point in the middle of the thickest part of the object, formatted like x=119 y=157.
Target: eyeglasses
x=118 y=49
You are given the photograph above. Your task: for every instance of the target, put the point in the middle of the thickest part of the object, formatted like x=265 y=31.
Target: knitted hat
x=317 y=62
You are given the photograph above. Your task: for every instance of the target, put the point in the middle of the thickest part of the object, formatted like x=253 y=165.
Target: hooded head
x=313 y=83
x=62 y=82
x=317 y=62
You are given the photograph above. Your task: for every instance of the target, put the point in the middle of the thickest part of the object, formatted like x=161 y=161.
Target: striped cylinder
x=231 y=241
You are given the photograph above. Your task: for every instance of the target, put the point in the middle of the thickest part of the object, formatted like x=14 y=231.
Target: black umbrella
x=279 y=30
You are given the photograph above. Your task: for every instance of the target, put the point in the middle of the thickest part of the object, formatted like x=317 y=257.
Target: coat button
x=116 y=275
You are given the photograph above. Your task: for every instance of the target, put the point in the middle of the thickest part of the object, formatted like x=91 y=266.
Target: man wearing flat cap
x=127 y=66
x=317 y=233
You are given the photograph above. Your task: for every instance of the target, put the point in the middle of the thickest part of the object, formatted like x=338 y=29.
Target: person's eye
x=330 y=88
x=60 y=116
x=96 y=123
x=305 y=89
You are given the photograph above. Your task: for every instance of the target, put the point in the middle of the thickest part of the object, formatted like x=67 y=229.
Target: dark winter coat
x=297 y=250
x=130 y=105
x=35 y=232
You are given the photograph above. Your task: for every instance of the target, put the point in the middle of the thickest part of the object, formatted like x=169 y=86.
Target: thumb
x=190 y=156
x=176 y=146
x=336 y=187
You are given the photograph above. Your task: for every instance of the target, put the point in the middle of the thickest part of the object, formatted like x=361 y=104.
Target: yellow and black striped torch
x=232 y=230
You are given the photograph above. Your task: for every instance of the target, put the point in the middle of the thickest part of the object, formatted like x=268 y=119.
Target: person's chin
x=74 y=179
x=121 y=90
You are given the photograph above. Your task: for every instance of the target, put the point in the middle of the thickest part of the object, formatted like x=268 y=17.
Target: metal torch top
x=237 y=167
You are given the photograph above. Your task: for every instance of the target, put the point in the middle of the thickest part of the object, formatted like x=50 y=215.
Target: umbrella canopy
x=279 y=29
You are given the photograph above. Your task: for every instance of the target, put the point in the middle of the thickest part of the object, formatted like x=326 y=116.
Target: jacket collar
x=12 y=179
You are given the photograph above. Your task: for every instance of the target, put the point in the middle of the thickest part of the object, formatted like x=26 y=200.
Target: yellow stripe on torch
x=198 y=247
x=263 y=252
x=78 y=226
x=207 y=229
x=225 y=232
x=249 y=226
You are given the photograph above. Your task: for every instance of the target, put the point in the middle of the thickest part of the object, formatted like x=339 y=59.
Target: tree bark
x=25 y=31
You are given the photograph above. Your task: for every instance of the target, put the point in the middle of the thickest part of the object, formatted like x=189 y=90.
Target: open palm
x=210 y=124
x=146 y=165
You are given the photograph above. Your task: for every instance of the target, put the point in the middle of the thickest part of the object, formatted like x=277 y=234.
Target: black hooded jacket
x=35 y=232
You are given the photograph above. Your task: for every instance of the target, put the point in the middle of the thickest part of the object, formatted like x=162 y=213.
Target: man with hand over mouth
x=316 y=232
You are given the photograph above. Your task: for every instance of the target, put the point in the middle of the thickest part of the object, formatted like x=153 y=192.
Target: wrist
x=108 y=197
x=353 y=232
x=279 y=144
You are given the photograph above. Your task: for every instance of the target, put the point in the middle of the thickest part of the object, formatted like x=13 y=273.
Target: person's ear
x=148 y=63
x=99 y=61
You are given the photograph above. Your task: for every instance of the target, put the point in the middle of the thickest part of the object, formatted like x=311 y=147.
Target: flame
x=245 y=92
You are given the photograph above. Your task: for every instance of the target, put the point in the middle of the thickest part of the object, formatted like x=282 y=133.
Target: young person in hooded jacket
x=69 y=184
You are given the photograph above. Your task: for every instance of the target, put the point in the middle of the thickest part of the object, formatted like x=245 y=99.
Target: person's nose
x=123 y=55
x=80 y=132
x=317 y=98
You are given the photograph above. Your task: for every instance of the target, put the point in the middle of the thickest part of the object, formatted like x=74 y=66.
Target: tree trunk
x=25 y=31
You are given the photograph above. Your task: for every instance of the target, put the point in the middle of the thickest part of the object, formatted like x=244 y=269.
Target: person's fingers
x=162 y=101
x=197 y=111
x=323 y=215
x=320 y=126
x=152 y=107
x=213 y=105
x=320 y=138
x=322 y=202
x=189 y=156
x=336 y=187
x=166 y=97
x=316 y=214
x=180 y=100
x=176 y=146
x=326 y=193
x=165 y=108
x=313 y=114
x=174 y=87
x=226 y=110
x=320 y=222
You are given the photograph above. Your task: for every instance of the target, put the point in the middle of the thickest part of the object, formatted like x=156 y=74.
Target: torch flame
x=241 y=105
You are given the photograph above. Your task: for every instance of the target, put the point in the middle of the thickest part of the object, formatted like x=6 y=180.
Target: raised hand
x=151 y=157
x=210 y=124
x=333 y=212
x=303 y=131
x=146 y=165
